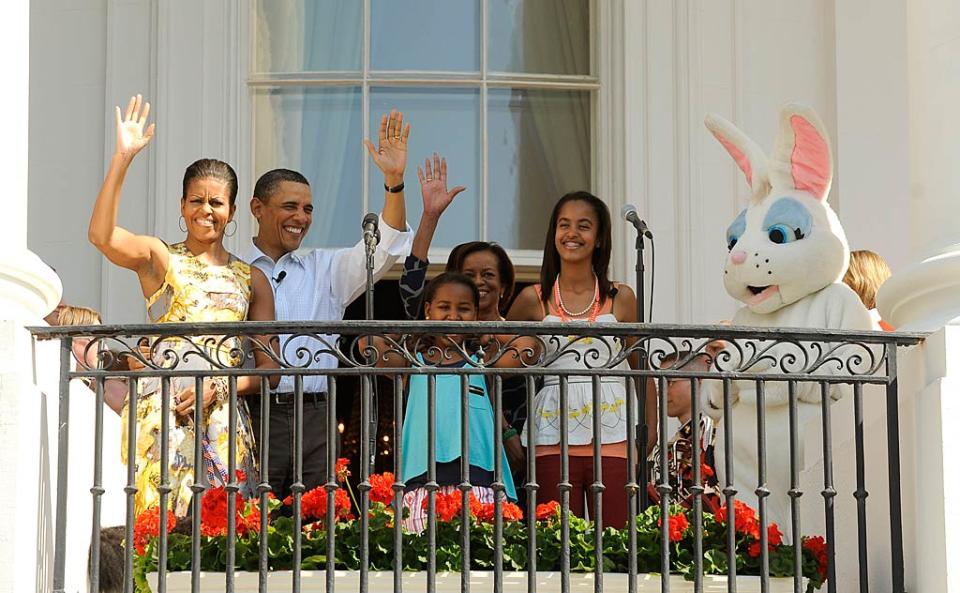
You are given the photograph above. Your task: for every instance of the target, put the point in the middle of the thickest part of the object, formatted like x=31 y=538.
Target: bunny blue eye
x=736 y=229
x=787 y=220
x=781 y=233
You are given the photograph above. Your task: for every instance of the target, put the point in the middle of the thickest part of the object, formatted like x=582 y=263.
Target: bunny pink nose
x=739 y=256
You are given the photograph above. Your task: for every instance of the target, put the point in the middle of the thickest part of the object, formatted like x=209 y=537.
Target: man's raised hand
x=390 y=155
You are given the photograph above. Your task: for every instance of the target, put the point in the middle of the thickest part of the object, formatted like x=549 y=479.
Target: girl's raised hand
x=130 y=135
x=433 y=186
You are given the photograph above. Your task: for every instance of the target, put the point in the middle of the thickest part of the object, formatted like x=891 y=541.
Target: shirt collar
x=254 y=254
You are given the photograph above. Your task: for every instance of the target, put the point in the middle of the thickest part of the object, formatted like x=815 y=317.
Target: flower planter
x=314 y=581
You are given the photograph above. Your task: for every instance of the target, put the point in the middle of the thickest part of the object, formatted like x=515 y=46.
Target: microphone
x=371 y=234
x=280 y=277
x=629 y=213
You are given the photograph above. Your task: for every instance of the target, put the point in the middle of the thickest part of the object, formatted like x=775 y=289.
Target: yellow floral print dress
x=193 y=291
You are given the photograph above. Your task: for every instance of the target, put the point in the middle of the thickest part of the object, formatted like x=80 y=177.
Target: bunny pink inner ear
x=810 y=160
x=738 y=156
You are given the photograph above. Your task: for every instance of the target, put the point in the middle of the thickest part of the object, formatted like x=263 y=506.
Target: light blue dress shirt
x=318 y=285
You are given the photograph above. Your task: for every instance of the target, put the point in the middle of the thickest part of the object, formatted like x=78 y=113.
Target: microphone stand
x=643 y=431
x=370 y=384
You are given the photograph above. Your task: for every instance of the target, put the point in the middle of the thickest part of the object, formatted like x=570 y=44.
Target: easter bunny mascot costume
x=787 y=256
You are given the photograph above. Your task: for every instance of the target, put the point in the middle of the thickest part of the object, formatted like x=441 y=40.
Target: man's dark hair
x=268 y=182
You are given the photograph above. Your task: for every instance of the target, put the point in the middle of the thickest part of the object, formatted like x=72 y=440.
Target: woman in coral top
x=574 y=288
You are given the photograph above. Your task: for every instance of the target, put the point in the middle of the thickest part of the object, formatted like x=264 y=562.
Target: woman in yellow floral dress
x=197 y=280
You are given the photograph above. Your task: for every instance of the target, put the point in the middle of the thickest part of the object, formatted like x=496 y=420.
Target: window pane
x=539 y=36
x=316 y=131
x=539 y=145
x=308 y=35
x=425 y=35
x=446 y=121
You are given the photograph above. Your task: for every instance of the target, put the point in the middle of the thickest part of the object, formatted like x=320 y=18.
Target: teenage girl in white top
x=574 y=288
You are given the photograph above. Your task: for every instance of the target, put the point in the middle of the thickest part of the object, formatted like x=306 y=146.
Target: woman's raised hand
x=390 y=154
x=130 y=135
x=433 y=186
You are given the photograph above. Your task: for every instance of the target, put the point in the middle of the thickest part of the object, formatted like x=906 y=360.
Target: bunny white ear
x=802 y=158
x=745 y=152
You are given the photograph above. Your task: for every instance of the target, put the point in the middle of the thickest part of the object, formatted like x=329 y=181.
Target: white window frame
x=603 y=181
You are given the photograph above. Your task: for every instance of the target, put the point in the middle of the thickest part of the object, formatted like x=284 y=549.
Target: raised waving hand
x=145 y=255
x=131 y=137
x=433 y=187
x=390 y=154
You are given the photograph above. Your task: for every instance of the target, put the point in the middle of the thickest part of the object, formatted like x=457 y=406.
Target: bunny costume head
x=788 y=242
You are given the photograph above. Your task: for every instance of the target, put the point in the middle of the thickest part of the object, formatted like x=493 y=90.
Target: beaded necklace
x=593 y=308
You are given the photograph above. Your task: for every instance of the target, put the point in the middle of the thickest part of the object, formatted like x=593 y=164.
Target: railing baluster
x=795 y=492
x=632 y=487
x=63 y=450
x=893 y=468
x=97 y=489
x=861 y=492
x=131 y=488
x=697 y=488
x=164 y=488
x=199 y=481
x=264 y=488
x=431 y=485
x=398 y=484
x=532 y=487
x=231 y=487
x=829 y=492
x=597 y=487
x=729 y=492
x=465 y=485
x=762 y=490
x=664 y=488
x=297 y=487
x=564 y=486
x=331 y=486
x=498 y=486
x=367 y=455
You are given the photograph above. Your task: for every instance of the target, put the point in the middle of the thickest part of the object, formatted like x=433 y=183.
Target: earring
x=234 y=229
x=182 y=223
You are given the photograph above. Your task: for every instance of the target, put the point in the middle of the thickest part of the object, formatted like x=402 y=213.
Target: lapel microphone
x=280 y=277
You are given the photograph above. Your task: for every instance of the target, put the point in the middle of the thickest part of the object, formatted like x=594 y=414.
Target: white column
x=924 y=295
x=28 y=291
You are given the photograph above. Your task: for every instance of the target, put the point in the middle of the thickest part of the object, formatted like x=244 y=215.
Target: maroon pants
x=613 y=476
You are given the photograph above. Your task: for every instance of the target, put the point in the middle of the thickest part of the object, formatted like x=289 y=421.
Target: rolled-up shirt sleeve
x=349 y=274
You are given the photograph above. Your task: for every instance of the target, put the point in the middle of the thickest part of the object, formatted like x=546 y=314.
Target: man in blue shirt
x=317 y=285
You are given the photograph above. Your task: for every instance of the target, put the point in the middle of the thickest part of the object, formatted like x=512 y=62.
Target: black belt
x=287 y=399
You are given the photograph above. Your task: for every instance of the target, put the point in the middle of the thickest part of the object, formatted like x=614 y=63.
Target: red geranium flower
x=213 y=512
x=381 y=488
x=677 y=526
x=548 y=511
x=448 y=506
x=744 y=519
x=313 y=504
x=774 y=538
x=342 y=469
x=510 y=511
x=818 y=546
x=147 y=527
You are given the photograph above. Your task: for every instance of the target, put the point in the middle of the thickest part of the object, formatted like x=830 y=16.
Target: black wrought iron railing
x=797 y=368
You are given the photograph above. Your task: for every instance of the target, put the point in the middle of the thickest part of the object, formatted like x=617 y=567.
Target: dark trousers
x=280 y=470
x=614 y=476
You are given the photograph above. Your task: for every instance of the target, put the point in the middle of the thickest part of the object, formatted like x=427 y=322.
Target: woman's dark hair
x=601 y=254
x=504 y=266
x=450 y=278
x=206 y=168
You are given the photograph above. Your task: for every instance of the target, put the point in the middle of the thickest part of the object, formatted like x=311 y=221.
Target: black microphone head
x=371 y=219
